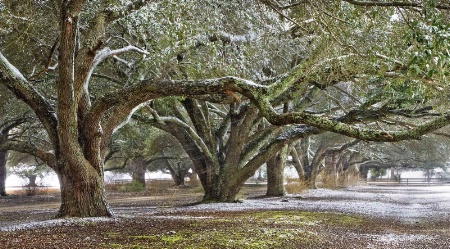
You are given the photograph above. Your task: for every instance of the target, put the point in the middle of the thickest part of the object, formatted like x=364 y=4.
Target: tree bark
x=138 y=168
x=32 y=181
x=296 y=162
x=3 y=160
x=312 y=177
x=363 y=172
x=331 y=168
x=82 y=194
x=222 y=191
x=178 y=179
x=275 y=174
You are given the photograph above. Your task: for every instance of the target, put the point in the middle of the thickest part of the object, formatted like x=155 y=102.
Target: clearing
x=354 y=217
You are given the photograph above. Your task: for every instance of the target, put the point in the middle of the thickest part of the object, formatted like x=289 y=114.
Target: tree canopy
x=376 y=71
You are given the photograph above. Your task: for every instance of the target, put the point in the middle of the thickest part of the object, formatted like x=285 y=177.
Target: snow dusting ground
x=404 y=217
x=406 y=204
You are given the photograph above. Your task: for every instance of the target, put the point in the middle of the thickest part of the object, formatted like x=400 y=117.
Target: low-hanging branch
x=23 y=147
x=126 y=99
x=394 y=4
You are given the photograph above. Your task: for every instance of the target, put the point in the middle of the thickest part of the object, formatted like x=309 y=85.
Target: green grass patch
x=247 y=230
x=133 y=186
x=308 y=218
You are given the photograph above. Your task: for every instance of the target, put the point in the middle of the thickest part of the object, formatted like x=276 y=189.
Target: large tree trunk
x=298 y=165
x=82 y=194
x=312 y=183
x=178 y=179
x=178 y=172
x=331 y=170
x=275 y=174
x=363 y=172
x=3 y=159
x=224 y=192
x=138 y=168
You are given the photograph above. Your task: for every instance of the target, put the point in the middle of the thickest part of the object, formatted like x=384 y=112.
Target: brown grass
x=329 y=181
x=37 y=191
x=295 y=186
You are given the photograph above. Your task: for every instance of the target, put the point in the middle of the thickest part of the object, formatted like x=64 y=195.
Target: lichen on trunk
x=275 y=173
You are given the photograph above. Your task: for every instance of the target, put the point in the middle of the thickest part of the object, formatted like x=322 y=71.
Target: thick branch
x=47 y=157
x=11 y=77
x=259 y=95
x=394 y=4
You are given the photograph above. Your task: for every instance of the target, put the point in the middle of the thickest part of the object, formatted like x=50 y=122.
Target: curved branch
x=393 y=4
x=11 y=77
x=198 y=140
x=271 y=149
x=11 y=124
x=107 y=53
x=260 y=95
x=343 y=147
x=346 y=129
x=160 y=158
x=48 y=157
x=123 y=101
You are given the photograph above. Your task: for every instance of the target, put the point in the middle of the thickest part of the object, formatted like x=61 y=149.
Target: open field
x=357 y=217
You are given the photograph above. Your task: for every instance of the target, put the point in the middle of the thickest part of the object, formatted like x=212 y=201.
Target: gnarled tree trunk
x=82 y=193
x=275 y=174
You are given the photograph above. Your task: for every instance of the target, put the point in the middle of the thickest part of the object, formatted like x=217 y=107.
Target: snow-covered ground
x=404 y=204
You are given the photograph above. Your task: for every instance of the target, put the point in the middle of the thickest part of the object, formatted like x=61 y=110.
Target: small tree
x=29 y=168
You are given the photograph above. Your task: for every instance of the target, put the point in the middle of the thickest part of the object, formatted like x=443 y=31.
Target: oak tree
x=354 y=41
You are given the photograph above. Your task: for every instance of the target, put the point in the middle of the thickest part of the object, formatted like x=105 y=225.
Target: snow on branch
x=10 y=70
x=107 y=53
x=13 y=79
x=115 y=14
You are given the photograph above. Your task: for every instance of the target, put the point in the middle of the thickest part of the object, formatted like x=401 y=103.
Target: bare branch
x=49 y=60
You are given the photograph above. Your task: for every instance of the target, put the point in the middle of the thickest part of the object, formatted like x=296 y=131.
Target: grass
x=327 y=180
x=250 y=230
x=295 y=186
x=309 y=218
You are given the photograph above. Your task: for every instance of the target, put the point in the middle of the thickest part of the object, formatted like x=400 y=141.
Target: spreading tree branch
x=23 y=147
x=394 y=4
